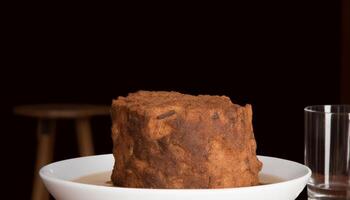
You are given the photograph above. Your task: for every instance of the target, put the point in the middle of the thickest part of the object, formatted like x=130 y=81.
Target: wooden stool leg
x=84 y=134
x=46 y=137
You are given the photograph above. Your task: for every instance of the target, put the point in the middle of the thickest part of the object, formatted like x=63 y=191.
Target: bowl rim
x=71 y=183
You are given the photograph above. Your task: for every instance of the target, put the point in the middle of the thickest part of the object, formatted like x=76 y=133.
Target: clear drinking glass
x=327 y=151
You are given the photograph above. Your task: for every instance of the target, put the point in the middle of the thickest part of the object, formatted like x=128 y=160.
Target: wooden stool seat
x=47 y=115
x=61 y=111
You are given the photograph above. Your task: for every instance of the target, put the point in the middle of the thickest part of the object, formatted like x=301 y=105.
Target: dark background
x=277 y=56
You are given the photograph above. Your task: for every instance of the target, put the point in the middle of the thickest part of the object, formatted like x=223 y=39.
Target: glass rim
x=312 y=109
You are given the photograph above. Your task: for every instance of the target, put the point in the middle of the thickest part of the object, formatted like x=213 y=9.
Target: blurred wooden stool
x=47 y=115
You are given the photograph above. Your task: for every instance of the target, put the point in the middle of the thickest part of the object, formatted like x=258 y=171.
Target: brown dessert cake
x=173 y=140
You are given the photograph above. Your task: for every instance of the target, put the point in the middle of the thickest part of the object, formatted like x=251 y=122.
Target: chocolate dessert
x=174 y=140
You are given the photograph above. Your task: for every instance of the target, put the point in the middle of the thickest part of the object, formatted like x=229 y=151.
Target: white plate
x=58 y=178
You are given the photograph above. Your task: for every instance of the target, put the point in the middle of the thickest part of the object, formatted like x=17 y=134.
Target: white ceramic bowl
x=58 y=178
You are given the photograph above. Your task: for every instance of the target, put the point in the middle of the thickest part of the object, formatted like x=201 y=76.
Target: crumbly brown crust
x=173 y=140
